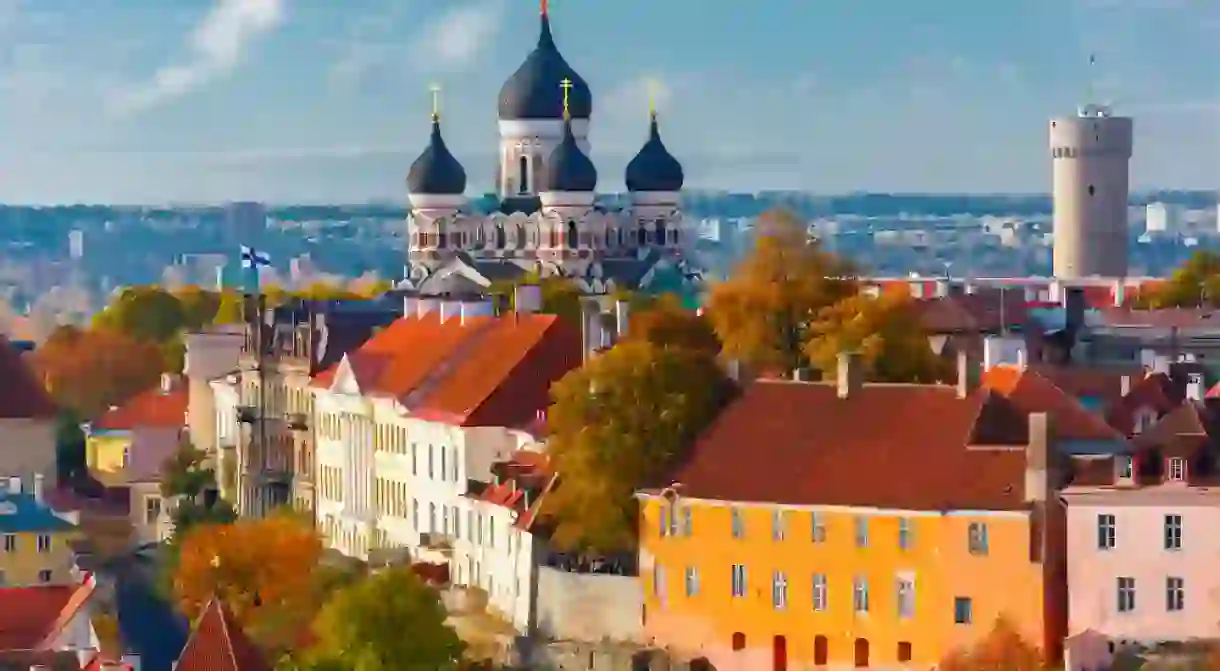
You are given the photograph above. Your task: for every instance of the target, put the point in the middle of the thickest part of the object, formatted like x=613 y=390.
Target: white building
x=412 y=427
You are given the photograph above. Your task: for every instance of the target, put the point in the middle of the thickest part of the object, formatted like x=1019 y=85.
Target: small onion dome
x=654 y=168
x=568 y=168
x=530 y=92
x=436 y=171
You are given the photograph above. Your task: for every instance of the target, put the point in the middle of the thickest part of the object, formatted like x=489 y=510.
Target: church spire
x=542 y=6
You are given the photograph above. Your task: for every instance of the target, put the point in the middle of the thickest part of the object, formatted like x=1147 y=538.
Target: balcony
x=297 y=421
x=247 y=414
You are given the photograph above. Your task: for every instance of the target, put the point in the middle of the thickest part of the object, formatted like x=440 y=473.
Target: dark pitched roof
x=533 y=91
x=889 y=446
x=568 y=168
x=654 y=168
x=437 y=171
x=22 y=396
x=219 y=644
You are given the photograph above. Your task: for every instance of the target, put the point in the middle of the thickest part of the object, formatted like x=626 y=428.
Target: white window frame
x=1125 y=594
x=859 y=595
x=1107 y=531
x=1173 y=532
x=1177 y=469
x=1175 y=594
x=821 y=592
x=779 y=590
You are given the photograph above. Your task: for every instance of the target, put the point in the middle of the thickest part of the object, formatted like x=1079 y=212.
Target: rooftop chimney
x=622 y=310
x=167 y=382
x=965 y=374
x=850 y=370
x=1037 y=454
x=802 y=374
x=1073 y=307
x=38 y=487
x=527 y=298
x=1120 y=293
x=1124 y=387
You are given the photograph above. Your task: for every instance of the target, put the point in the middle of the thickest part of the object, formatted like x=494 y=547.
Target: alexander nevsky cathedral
x=546 y=220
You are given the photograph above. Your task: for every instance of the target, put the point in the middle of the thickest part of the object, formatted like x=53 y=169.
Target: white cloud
x=217 y=45
x=455 y=40
x=364 y=48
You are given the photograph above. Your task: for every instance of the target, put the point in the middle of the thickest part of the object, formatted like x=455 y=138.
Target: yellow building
x=852 y=525
x=35 y=542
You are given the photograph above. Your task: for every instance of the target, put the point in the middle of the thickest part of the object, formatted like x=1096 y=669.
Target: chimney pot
x=850 y=371
x=622 y=310
x=38 y=487
x=1124 y=385
x=964 y=374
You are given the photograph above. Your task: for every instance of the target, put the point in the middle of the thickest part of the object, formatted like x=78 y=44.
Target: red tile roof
x=1156 y=392
x=887 y=446
x=30 y=617
x=150 y=408
x=524 y=480
x=22 y=395
x=219 y=644
x=483 y=371
x=1031 y=391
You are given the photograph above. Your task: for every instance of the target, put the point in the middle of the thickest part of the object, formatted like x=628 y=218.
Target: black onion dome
x=568 y=168
x=436 y=171
x=654 y=168
x=534 y=92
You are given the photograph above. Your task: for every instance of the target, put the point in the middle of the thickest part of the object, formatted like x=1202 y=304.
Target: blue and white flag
x=252 y=258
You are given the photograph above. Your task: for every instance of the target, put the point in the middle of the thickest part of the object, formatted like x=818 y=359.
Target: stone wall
x=588 y=606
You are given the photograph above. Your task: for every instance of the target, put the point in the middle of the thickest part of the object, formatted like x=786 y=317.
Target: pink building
x=1142 y=539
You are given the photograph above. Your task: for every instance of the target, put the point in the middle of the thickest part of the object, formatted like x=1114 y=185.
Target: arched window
x=442 y=239
x=673 y=235
x=554 y=238
x=622 y=237
x=500 y=242
x=573 y=241
x=523 y=167
x=661 y=235
x=641 y=236
x=609 y=238
x=520 y=236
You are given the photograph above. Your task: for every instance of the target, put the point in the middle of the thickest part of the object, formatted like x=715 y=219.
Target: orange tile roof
x=150 y=408
x=1030 y=391
x=30 y=617
x=219 y=644
x=886 y=446
x=484 y=371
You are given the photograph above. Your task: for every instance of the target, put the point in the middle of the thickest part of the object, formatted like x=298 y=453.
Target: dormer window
x=1177 y=469
x=1124 y=467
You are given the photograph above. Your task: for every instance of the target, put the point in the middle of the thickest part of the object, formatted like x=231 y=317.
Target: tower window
x=1092 y=190
x=523 y=166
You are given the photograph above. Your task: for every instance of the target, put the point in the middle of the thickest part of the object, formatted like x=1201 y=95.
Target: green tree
x=187 y=477
x=145 y=313
x=199 y=307
x=619 y=423
x=229 y=311
x=887 y=334
x=764 y=310
x=69 y=446
x=1195 y=284
x=665 y=323
x=361 y=626
x=560 y=296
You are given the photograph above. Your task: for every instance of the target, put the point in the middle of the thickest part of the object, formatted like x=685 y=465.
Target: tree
x=88 y=371
x=145 y=313
x=199 y=307
x=187 y=479
x=69 y=447
x=617 y=423
x=1002 y=649
x=885 y=331
x=1196 y=283
x=229 y=311
x=665 y=323
x=560 y=296
x=391 y=621
x=264 y=569
x=763 y=311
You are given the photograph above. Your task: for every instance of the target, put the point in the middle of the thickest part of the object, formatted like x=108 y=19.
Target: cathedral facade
x=547 y=221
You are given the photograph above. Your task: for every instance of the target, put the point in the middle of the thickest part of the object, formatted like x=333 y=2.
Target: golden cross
x=566 y=85
x=652 y=98
x=436 y=101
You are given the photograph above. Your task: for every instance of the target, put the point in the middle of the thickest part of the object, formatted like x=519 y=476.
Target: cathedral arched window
x=609 y=238
x=520 y=237
x=641 y=236
x=673 y=235
x=573 y=238
x=661 y=235
x=415 y=239
x=554 y=242
x=500 y=242
x=622 y=237
x=442 y=239
x=523 y=167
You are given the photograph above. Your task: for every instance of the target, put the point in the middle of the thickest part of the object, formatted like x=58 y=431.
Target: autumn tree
x=199 y=307
x=1196 y=283
x=618 y=423
x=264 y=569
x=361 y=627
x=189 y=481
x=764 y=310
x=145 y=313
x=1002 y=649
x=885 y=331
x=229 y=311
x=665 y=323
x=87 y=371
x=560 y=295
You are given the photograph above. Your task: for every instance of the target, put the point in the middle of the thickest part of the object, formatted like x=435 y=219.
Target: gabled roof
x=219 y=644
x=21 y=513
x=31 y=617
x=1031 y=391
x=914 y=447
x=22 y=396
x=151 y=408
x=472 y=371
x=1155 y=392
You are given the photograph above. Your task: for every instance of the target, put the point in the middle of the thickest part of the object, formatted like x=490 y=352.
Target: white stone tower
x=1090 y=158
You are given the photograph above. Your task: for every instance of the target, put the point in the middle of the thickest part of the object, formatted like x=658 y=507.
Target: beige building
x=1090 y=158
x=27 y=419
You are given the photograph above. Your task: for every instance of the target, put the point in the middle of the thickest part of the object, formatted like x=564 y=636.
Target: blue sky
x=318 y=100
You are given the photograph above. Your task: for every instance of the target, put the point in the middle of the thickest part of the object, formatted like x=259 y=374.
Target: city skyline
x=276 y=100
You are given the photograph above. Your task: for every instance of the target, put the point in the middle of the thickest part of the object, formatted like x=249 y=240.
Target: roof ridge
x=440 y=370
x=75 y=602
x=224 y=630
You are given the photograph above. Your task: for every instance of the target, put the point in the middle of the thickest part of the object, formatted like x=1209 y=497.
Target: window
x=658 y=581
x=739 y=641
x=861 y=532
x=663 y=520
x=10 y=543
x=687 y=521
x=1126 y=595
x=431 y=457
x=126 y=457
x=414 y=460
x=904 y=533
x=739 y=580
x=778 y=522
x=859 y=594
x=1092 y=190
x=963 y=610
x=904 y=651
x=1125 y=465
x=779 y=590
x=431 y=517
x=1177 y=469
x=491 y=531
x=818 y=527
x=905 y=590
x=1175 y=594
x=44 y=576
x=819 y=591
x=44 y=543
x=415 y=514
x=692 y=581
x=1173 y=532
x=976 y=538
x=1107 y=532
x=739 y=524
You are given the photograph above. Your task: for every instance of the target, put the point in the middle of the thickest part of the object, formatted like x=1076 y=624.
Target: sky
x=162 y=101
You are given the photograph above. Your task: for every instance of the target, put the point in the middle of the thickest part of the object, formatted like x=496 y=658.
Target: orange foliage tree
x=87 y=371
x=666 y=323
x=1002 y=649
x=266 y=570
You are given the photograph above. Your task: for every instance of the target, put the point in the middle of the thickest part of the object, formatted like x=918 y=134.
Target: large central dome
x=534 y=91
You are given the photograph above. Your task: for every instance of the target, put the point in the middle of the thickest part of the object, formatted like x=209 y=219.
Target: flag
x=252 y=258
